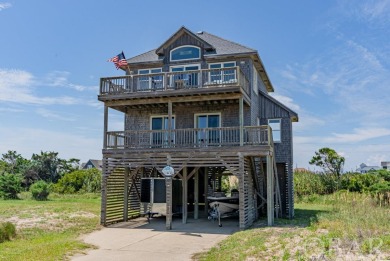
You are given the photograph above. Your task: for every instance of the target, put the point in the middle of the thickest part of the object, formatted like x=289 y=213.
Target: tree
x=13 y=162
x=49 y=167
x=329 y=161
x=10 y=185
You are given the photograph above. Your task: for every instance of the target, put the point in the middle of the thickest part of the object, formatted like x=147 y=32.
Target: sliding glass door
x=159 y=126
x=207 y=136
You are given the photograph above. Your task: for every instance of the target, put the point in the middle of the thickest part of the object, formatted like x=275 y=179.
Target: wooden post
x=242 y=179
x=196 y=195
x=241 y=115
x=105 y=127
x=103 y=210
x=126 y=195
x=206 y=189
x=169 y=123
x=168 y=184
x=185 y=194
x=270 y=191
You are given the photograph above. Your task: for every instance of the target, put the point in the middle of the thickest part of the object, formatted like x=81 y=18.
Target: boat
x=223 y=206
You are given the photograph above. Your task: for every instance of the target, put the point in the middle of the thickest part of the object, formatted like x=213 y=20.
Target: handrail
x=188 y=138
x=204 y=78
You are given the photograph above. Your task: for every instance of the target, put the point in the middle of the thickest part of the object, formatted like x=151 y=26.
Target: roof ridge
x=216 y=36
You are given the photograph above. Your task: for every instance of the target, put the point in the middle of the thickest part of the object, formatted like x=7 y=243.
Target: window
x=205 y=121
x=160 y=126
x=185 y=79
x=151 y=81
x=255 y=81
x=222 y=75
x=275 y=125
x=186 y=52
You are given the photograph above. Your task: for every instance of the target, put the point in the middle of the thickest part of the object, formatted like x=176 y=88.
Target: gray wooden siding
x=139 y=119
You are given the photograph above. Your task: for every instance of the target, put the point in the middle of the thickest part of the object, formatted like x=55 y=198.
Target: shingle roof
x=222 y=47
x=150 y=56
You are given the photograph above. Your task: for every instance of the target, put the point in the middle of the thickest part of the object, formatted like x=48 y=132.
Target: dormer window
x=186 y=52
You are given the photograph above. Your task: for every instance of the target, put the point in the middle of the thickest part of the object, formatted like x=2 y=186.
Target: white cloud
x=375 y=10
x=10 y=110
x=4 y=6
x=358 y=135
x=53 y=115
x=17 y=86
x=60 y=79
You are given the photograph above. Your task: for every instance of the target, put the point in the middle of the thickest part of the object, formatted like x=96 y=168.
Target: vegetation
x=7 y=231
x=340 y=226
x=375 y=184
x=10 y=186
x=40 y=190
x=329 y=161
x=45 y=166
x=48 y=230
x=79 y=181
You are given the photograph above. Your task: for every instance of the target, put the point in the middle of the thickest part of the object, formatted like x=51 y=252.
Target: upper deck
x=199 y=83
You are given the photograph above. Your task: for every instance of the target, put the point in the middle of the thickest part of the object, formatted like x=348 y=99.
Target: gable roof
x=178 y=34
x=215 y=46
x=293 y=114
x=96 y=163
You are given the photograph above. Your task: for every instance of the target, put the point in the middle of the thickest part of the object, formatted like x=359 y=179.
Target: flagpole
x=128 y=68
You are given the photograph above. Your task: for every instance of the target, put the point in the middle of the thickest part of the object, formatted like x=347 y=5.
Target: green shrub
x=7 y=231
x=92 y=181
x=308 y=183
x=40 y=190
x=79 y=181
x=10 y=185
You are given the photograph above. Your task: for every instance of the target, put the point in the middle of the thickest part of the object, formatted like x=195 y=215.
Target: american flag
x=119 y=60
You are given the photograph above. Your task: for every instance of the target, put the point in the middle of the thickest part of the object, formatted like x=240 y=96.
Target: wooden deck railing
x=207 y=78
x=189 y=138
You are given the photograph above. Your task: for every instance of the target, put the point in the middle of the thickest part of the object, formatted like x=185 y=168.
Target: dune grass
x=48 y=230
x=341 y=226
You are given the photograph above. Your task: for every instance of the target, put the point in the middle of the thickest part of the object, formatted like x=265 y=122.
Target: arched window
x=186 y=52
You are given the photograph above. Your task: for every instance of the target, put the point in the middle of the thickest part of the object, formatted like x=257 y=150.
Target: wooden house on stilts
x=200 y=104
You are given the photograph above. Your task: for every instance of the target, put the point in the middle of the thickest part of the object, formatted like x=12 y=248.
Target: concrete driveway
x=139 y=240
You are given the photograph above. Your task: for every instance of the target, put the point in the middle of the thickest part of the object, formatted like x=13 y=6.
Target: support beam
x=168 y=187
x=169 y=123
x=241 y=115
x=196 y=195
x=206 y=189
x=185 y=194
x=126 y=195
x=105 y=127
x=270 y=191
x=103 y=208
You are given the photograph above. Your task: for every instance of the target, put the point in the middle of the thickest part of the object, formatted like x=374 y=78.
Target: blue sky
x=328 y=60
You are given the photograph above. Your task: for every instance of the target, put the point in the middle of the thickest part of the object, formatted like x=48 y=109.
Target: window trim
x=165 y=141
x=235 y=64
x=196 y=115
x=185 y=65
x=280 y=129
x=222 y=67
x=148 y=75
x=162 y=116
x=181 y=46
x=255 y=80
